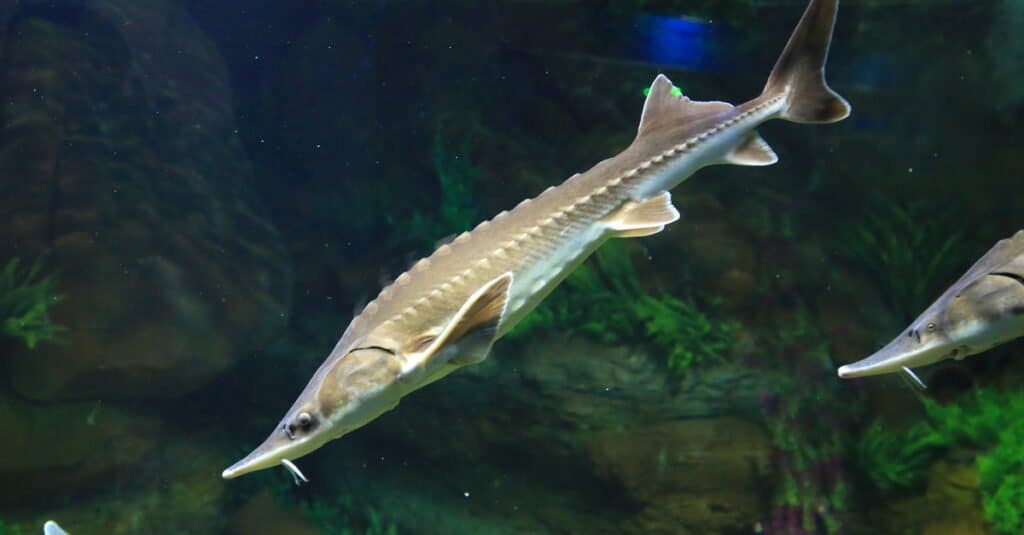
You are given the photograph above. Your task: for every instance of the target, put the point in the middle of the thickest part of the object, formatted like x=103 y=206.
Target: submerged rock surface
x=119 y=160
x=53 y=452
x=656 y=448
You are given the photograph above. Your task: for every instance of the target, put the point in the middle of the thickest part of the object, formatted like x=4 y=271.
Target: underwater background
x=195 y=197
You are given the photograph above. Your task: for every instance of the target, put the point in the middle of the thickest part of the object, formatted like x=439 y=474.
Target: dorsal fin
x=663 y=110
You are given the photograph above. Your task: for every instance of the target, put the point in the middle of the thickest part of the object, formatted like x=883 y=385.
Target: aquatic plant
x=25 y=300
x=809 y=447
x=604 y=300
x=770 y=213
x=330 y=509
x=456 y=176
x=907 y=250
x=687 y=336
x=342 y=517
x=806 y=416
x=1002 y=481
x=989 y=422
x=896 y=460
x=10 y=529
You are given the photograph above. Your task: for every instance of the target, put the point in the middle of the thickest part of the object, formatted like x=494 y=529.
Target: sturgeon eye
x=931 y=327
x=302 y=422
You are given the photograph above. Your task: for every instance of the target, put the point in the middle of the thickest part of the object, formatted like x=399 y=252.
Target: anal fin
x=469 y=335
x=753 y=151
x=643 y=218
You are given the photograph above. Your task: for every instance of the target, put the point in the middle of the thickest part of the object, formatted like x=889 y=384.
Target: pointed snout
x=244 y=466
x=259 y=459
x=269 y=454
x=901 y=352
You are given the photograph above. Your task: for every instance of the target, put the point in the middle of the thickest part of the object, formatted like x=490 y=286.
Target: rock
x=951 y=505
x=606 y=414
x=685 y=456
x=718 y=248
x=558 y=392
x=689 y=514
x=736 y=288
x=118 y=158
x=263 y=515
x=54 y=451
x=176 y=488
x=688 y=473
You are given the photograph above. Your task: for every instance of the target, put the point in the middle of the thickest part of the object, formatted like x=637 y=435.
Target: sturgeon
x=448 y=310
x=982 y=309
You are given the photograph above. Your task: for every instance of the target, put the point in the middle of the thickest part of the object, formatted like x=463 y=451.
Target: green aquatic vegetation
x=1002 y=481
x=805 y=416
x=342 y=517
x=896 y=460
x=10 y=529
x=989 y=423
x=769 y=214
x=605 y=300
x=457 y=176
x=907 y=250
x=687 y=336
x=25 y=299
x=993 y=422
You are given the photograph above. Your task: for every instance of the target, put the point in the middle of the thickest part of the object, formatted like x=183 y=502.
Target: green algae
x=988 y=424
x=908 y=250
x=457 y=176
x=10 y=529
x=604 y=300
x=342 y=517
x=25 y=300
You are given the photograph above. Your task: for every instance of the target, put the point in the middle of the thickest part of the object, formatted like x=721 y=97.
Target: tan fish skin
x=449 y=308
x=981 y=310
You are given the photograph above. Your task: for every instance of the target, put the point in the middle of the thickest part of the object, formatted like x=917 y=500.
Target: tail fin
x=800 y=71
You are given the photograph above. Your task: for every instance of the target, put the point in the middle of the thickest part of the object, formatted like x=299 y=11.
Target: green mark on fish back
x=676 y=92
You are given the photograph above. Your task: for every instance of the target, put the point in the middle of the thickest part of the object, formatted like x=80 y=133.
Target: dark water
x=198 y=196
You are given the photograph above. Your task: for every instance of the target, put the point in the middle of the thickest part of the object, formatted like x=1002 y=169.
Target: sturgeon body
x=449 y=308
x=981 y=310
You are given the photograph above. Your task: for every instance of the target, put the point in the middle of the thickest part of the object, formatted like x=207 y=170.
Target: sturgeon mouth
x=276 y=450
x=893 y=358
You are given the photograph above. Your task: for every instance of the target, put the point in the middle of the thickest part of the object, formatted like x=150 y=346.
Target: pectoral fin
x=643 y=218
x=468 y=337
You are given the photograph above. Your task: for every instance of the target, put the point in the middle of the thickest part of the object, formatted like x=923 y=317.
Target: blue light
x=686 y=43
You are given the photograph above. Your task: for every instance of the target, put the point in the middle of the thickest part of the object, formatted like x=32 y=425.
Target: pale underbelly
x=535 y=281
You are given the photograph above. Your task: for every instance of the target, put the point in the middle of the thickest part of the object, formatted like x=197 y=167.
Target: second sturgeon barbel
x=448 y=309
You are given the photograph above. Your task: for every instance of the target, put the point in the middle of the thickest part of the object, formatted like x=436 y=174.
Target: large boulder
x=55 y=451
x=690 y=476
x=950 y=505
x=99 y=468
x=119 y=158
x=557 y=392
x=670 y=450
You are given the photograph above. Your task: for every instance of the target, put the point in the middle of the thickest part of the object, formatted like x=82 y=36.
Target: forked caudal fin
x=799 y=72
